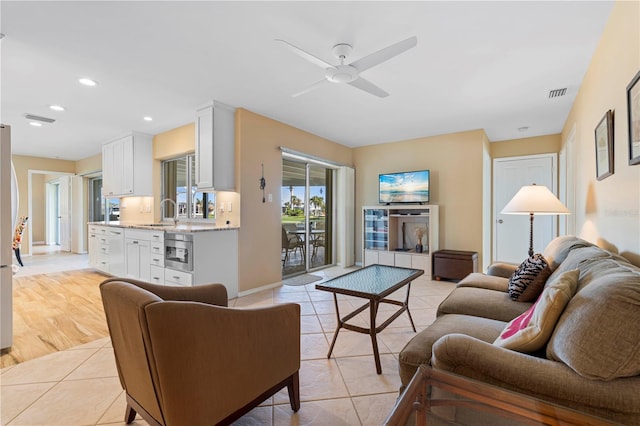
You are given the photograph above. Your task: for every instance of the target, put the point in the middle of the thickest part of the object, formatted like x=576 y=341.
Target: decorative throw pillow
x=531 y=331
x=527 y=282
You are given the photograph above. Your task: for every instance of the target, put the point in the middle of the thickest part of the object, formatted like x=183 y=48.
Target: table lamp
x=534 y=199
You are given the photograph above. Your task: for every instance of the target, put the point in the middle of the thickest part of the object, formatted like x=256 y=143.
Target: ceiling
x=477 y=65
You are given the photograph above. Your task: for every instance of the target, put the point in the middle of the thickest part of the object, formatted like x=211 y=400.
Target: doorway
x=511 y=242
x=307 y=220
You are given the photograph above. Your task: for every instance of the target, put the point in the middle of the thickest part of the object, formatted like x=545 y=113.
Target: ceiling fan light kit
x=350 y=73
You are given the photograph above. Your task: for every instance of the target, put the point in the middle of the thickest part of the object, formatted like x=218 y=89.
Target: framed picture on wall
x=604 y=146
x=633 y=111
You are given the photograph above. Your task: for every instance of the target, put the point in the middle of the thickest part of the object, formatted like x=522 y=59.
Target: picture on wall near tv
x=404 y=187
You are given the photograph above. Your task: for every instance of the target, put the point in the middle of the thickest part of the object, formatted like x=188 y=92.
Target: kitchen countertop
x=180 y=227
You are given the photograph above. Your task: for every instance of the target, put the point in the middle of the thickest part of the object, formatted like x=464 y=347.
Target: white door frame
x=554 y=189
x=30 y=173
x=567 y=185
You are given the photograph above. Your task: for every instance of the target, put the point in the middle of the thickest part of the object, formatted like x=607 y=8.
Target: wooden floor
x=55 y=311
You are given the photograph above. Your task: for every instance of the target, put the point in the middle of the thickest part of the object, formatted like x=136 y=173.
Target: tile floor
x=80 y=386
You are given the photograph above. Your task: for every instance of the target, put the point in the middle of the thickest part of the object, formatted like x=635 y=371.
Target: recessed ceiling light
x=147 y=118
x=87 y=82
x=35 y=124
x=56 y=107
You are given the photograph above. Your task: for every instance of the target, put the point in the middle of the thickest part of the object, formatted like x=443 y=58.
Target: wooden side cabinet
x=454 y=264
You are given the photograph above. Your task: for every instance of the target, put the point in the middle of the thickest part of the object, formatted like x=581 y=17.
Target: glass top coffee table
x=440 y=398
x=375 y=283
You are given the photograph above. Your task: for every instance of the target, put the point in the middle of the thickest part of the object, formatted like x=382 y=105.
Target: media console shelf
x=389 y=235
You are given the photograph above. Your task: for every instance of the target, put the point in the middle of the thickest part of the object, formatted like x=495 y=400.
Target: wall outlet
x=271 y=198
x=229 y=206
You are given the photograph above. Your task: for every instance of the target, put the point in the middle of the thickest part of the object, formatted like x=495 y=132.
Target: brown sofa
x=591 y=362
x=185 y=358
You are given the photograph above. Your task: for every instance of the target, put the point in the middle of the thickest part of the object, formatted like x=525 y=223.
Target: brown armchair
x=185 y=358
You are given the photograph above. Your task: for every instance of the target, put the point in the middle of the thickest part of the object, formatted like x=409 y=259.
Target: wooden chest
x=454 y=264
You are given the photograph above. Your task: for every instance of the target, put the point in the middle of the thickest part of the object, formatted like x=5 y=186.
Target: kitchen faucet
x=175 y=210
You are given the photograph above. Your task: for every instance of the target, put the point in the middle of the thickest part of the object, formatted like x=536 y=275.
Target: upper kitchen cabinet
x=215 y=147
x=127 y=166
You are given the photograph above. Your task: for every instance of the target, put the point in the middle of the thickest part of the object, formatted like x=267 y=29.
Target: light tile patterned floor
x=80 y=386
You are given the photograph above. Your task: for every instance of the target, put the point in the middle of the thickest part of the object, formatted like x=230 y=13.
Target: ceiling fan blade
x=367 y=86
x=306 y=55
x=384 y=54
x=314 y=86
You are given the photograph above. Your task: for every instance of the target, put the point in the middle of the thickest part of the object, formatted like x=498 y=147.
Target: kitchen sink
x=158 y=224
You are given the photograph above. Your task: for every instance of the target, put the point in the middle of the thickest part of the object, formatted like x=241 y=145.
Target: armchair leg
x=129 y=414
x=294 y=392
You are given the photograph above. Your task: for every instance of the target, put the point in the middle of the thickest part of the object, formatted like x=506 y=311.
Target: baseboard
x=259 y=289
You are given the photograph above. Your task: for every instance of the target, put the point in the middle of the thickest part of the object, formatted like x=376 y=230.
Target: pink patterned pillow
x=532 y=330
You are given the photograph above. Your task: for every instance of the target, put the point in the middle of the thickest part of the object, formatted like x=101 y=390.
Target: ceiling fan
x=350 y=73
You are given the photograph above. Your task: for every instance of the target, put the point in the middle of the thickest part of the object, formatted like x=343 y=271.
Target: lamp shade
x=534 y=199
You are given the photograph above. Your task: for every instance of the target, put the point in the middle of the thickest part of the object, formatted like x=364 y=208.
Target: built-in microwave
x=178 y=251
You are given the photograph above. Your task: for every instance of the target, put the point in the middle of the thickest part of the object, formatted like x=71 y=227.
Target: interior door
x=64 y=201
x=511 y=232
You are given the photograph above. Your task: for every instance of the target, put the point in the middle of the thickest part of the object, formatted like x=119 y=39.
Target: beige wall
x=258 y=140
x=526 y=146
x=455 y=161
x=608 y=209
x=38 y=209
x=22 y=166
x=89 y=165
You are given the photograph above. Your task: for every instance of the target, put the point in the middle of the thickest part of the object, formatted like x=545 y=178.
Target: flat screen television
x=404 y=187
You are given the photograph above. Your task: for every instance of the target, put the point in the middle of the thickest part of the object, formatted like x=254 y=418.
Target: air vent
x=38 y=118
x=557 y=92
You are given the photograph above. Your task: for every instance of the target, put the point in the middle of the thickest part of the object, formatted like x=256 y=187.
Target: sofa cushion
x=481 y=302
x=583 y=258
x=557 y=250
x=418 y=350
x=526 y=283
x=598 y=335
x=480 y=280
x=530 y=331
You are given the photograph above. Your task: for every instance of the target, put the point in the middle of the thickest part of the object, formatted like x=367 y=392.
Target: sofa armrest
x=500 y=269
x=212 y=360
x=542 y=378
x=212 y=294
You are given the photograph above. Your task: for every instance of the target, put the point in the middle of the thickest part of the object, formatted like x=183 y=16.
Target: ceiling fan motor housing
x=341 y=74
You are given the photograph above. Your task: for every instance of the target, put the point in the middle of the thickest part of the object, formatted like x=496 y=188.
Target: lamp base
x=530 y=234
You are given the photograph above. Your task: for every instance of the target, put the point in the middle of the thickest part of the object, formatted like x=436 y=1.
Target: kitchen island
x=182 y=254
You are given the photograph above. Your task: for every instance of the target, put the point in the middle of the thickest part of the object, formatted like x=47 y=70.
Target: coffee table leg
x=373 y=310
x=338 y=327
x=406 y=305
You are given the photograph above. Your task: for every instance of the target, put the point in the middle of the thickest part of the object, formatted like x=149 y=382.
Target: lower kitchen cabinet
x=174 y=277
x=214 y=260
x=106 y=249
x=156 y=274
x=141 y=253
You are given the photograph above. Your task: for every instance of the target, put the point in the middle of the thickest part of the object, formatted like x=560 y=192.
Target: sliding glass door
x=307 y=220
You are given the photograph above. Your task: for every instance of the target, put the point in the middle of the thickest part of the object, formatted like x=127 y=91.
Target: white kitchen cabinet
x=156 y=274
x=215 y=260
x=215 y=147
x=93 y=247
x=119 y=176
x=174 y=277
x=115 y=237
x=106 y=249
x=143 y=249
x=137 y=255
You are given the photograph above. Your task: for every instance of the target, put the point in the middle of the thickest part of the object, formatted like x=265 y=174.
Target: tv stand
x=389 y=235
